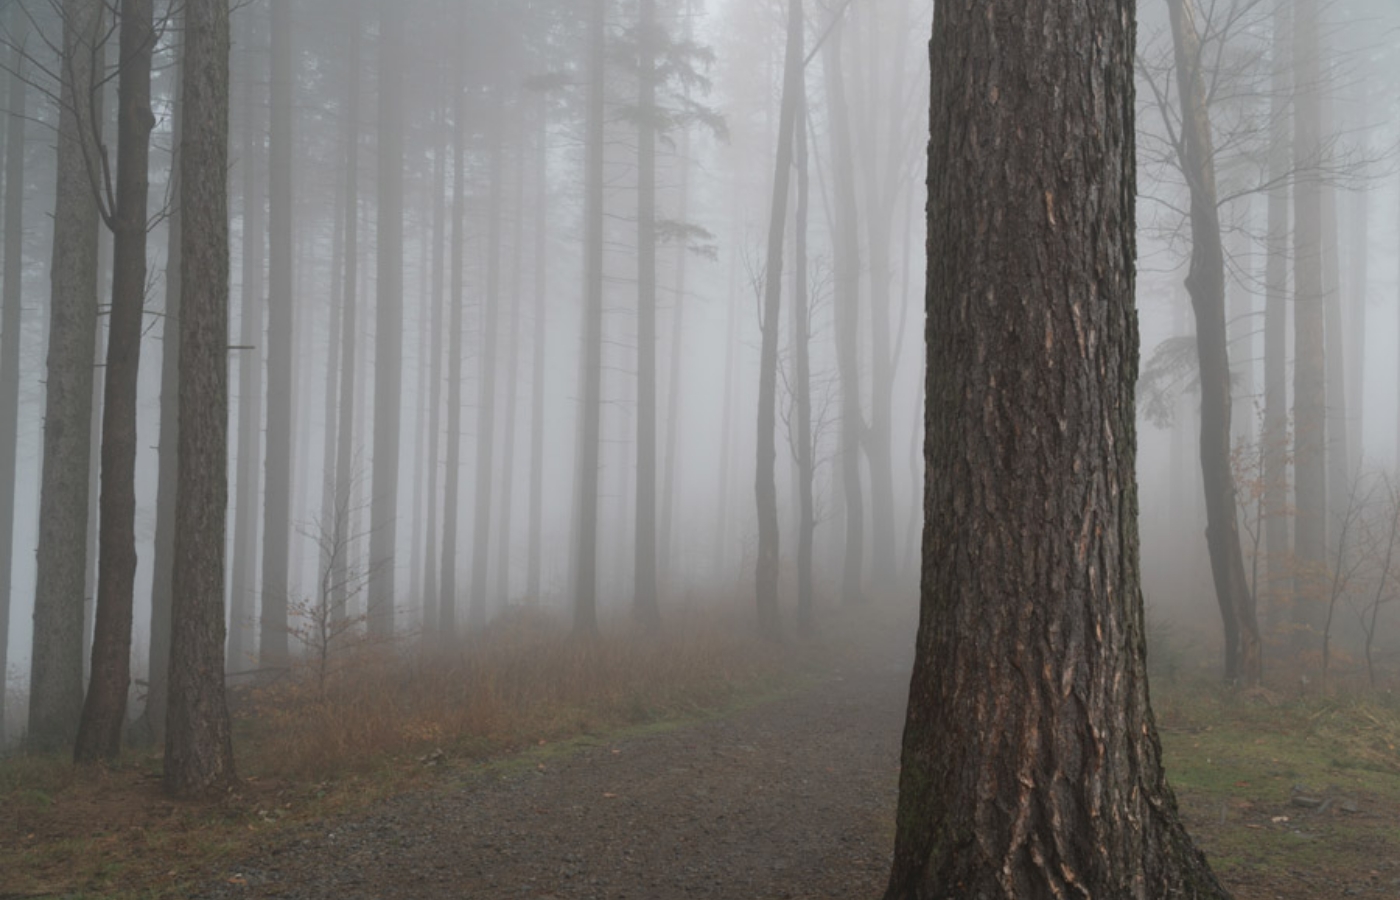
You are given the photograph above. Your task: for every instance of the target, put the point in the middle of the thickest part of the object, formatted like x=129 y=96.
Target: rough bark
x=585 y=520
x=1309 y=309
x=199 y=743
x=56 y=663
x=846 y=296
x=10 y=324
x=388 y=330
x=1205 y=282
x=277 y=459
x=645 y=606
x=1031 y=765
x=104 y=706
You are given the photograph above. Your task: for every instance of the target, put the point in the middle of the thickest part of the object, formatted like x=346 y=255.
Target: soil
x=792 y=798
x=789 y=799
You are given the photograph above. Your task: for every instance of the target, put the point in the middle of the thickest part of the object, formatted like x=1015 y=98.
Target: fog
x=499 y=91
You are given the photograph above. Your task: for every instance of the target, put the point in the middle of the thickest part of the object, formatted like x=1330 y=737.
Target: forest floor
x=785 y=791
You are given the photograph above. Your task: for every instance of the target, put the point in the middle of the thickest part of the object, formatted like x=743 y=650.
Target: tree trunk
x=504 y=546
x=1274 y=436
x=277 y=462
x=104 y=706
x=447 y=607
x=163 y=561
x=1206 y=284
x=1309 y=310
x=802 y=341
x=248 y=503
x=534 y=553
x=1031 y=763
x=644 y=601
x=388 y=331
x=766 y=489
x=10 y=315
x=486 y=401
x=846 y=263
x=345 y=473
x=434 y=431
x=199 y=744
x=585 y=520
x=56 y=663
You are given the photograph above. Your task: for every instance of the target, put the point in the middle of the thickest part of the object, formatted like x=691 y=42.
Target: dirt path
x=790 y=799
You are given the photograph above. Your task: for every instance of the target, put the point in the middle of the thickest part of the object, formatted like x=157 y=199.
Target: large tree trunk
x=345 y=467
x=1273 y=438
x=163 y=560
x=56 y=663
x=846 y=263
x=1031 y=763
x=504 y=546
x=248 y=502
x=1206 y=284
x=486 y=383
x=388 y=331
x=766 y=488
x=802 y=388
x=447 y=607
x=104 y=706
x=10 y=310
x=277 y=463
x=644 y=601
x=1309 y=310
x=199 y=744
x=433 y=434
x=585 y=520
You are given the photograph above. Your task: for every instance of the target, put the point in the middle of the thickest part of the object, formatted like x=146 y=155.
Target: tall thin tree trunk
x=104 y=706
x=486 y=401
x=163 y=562
x=345 y=474
x=248 y=502
x=512 y=367
x=1274 y=437
x=802 y=340
x=766 y=489
x=434 y=432
x=1206 y=284
x=278 y=461
x=585 y=520
x=536 y=538
x=846 y=260
x=388 y=332
x=447 y=607
x=56 y=663
x=1310 y=355
x=644 y=601
x=199 y=745
x=10 y=315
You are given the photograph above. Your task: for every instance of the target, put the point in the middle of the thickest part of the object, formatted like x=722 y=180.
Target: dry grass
x=526 y=679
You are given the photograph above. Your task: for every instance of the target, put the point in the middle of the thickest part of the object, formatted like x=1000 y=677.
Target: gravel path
x=790 y=799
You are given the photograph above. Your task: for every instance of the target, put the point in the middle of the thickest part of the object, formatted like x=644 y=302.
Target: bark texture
x=1031 y=766
x=199 y=743
x=56 y=665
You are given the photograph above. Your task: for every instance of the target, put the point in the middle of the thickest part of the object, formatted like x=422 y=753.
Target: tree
x=1206 y=285
x=56 y=664
x=645 y=605
x=388 y=330
x=125 y=211
x=10 y=310
x=1031 y=765
x=447 y=606
x=277 y=463
x=766 y=489
x=199 y=743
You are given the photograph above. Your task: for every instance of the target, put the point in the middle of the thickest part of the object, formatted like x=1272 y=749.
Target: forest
x=725 y=447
